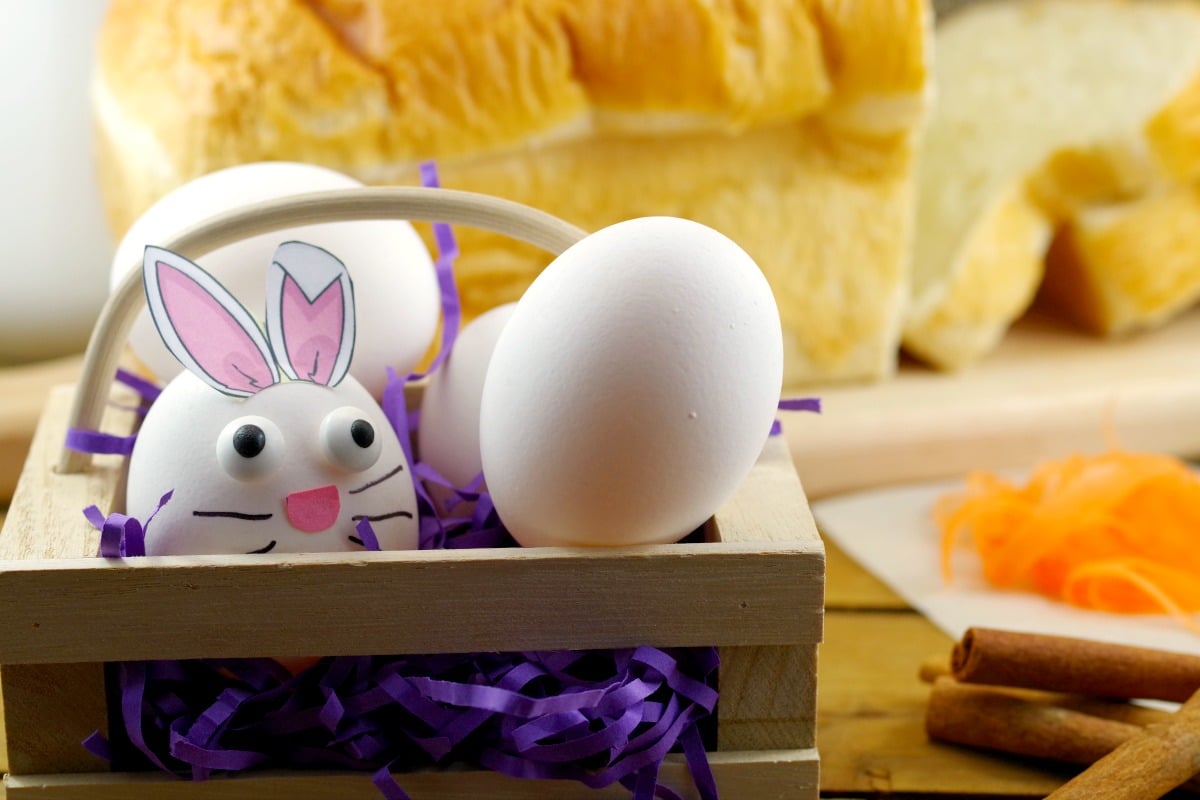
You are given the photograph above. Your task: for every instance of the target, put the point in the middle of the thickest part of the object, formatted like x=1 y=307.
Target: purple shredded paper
x=599 y=717
x=99 y=443
x=795 y=404
x=147 y=390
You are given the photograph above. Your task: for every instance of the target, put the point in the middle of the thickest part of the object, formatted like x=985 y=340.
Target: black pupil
x=362 y=433
x=249 y=441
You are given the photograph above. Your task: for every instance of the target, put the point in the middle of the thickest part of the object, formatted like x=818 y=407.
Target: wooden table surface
x=871 y=705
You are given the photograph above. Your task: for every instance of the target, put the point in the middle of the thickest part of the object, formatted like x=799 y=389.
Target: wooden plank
x=1046 y=390
x=768 y=698
x=45 y=518
x=720 y=593
x=49 y=709
x=25 y=390
x=870 y=723
x=773 y=775
x=397 y=602
x=771 y=505
x=768 y=694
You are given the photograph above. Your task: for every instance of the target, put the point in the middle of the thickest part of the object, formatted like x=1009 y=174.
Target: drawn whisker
x=233 y=515
x=377 y=481
x=377 y=517
x=264 y=549
x=356 y=540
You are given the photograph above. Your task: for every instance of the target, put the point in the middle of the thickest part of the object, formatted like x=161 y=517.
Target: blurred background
x=56 y=245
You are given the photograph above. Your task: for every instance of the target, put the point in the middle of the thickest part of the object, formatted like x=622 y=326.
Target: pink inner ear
x=213 y=337
x=312 y=332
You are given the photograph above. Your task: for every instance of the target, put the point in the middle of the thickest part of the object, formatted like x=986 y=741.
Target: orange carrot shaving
x=1116 y=532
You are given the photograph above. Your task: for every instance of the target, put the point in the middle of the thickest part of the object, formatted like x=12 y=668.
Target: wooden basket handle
x=371 y=203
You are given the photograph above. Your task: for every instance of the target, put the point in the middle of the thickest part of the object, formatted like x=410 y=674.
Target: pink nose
x=313 y=510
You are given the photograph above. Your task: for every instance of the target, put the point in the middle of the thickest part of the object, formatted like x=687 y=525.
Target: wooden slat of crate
x=771 y=775
x=48 y=710
x=769 y=693
x=242 y=606
x=742 y=592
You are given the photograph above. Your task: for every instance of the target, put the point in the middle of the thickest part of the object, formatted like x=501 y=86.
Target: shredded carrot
x=1117 y=532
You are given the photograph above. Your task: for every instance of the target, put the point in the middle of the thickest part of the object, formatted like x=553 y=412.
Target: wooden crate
x=754 y=589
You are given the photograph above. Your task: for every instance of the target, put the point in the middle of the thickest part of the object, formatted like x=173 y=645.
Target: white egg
x=395 y=283
x=448 y=439
x=633 y=388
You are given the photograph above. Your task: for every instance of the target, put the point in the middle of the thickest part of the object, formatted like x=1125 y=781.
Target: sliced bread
x=1131 y=266
x=1018 y=83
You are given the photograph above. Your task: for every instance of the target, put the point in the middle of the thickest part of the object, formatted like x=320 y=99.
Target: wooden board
x=769 y=775
x=1047 y=390
x=745 y=591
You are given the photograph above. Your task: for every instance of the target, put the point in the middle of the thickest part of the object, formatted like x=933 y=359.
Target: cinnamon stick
x=932 y=669
x=1005 y=722
x=1076 y=666
x=1147 y=766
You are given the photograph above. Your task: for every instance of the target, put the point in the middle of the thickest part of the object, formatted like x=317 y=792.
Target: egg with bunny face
x=265 y=444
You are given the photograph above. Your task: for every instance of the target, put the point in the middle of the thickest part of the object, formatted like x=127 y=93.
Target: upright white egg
x=448 y=438
x=633 y=388
x=395 y=283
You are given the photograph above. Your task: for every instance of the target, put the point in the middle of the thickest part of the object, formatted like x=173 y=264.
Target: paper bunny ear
x=205 y=327
x=310 y=313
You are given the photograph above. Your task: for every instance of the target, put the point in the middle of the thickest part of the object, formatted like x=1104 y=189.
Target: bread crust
x=787 y=124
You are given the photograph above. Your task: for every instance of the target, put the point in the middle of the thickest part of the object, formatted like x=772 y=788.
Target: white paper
x=891 y=533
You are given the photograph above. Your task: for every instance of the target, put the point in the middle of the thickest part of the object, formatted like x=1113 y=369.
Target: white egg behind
x=397 y=293
x=448 y=439
x=633 y=388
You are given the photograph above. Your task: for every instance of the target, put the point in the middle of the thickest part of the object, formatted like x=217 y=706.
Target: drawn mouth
x=264 y=549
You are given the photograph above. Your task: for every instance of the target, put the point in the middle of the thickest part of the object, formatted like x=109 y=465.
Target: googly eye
x=250 y=448
x=349 y=439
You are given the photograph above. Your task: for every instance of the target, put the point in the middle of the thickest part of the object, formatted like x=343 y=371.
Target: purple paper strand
x=98 y=746
x=447 y=247
x=99 y=443
x=795 y=404
x=367 y=534
x=801 y=404
x=147 y=390
x=697 y=761
x=387 y=785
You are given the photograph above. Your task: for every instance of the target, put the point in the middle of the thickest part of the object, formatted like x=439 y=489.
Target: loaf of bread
x=1045 y=108
x=789 y=125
